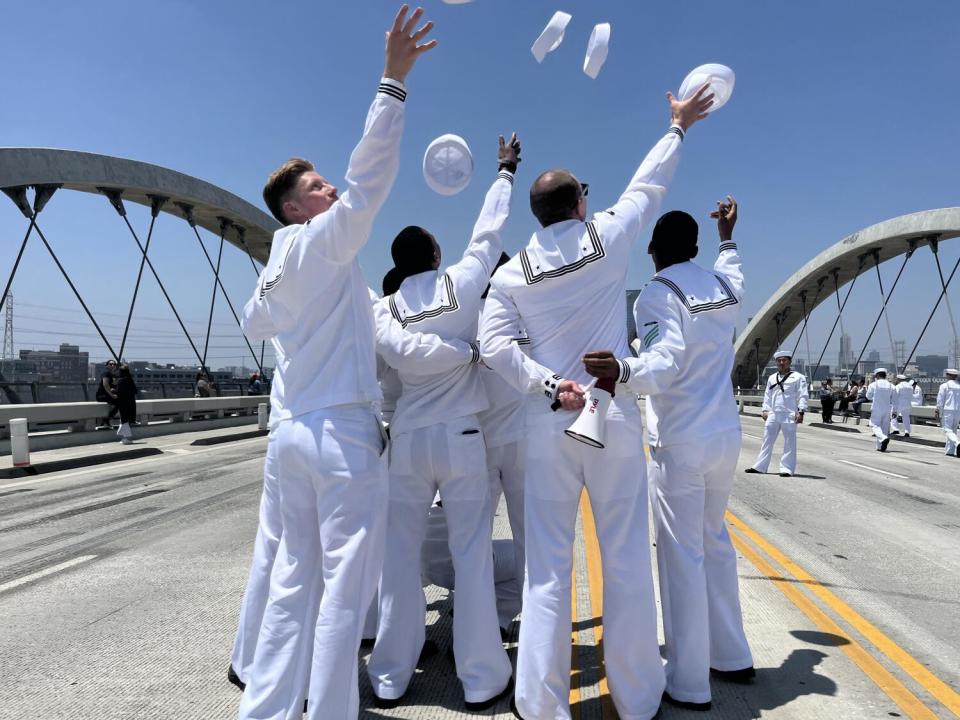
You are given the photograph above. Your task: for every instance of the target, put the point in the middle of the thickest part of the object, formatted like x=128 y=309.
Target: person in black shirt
x=127 y=403
x=106 y=392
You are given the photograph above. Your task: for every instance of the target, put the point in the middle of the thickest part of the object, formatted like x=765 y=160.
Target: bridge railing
x=21 y=392
x=85 y=416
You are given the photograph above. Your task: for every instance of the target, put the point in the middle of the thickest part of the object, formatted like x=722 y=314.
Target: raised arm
x=641 y=200
x=728 y=262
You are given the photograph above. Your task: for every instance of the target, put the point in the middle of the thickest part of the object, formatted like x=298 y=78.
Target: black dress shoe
x=235 y=679
x=704 y=706
x=883 y=445
x=785 y=475
x=752 y=470
x=490 y=702
x=386 y=703
x=743 y=676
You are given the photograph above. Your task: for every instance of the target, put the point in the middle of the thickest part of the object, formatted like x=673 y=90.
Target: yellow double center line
x=786 y=582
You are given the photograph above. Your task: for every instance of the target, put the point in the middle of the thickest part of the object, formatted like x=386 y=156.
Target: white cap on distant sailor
x=597 y=48
x=552 y=35
x=951 y=371
x=448 y=164
x=880 y=370
x=901 y=377
x=782 y=353
x=720 y=77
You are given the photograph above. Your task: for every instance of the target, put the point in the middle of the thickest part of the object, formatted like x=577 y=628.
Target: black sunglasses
x=584 y=189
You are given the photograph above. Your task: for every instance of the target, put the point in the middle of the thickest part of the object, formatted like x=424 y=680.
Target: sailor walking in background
x=784 y=403
x=948 y=410
x=566 y=289
x=688 y=315
x=902 y=406
x=437 y=444
x=313 y=302
x=881 y=395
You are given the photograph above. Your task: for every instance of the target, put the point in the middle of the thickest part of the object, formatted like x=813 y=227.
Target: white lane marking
x=877 y=470
x=46 y=571
x=755 y=437
x=39 y=479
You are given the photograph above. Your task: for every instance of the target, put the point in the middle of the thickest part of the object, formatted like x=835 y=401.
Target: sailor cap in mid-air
x=552 y=35
x=781 y=354
x=448 y=164
x=597 y=48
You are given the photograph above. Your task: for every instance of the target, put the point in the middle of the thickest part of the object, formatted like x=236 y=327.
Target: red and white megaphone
x=590 y=426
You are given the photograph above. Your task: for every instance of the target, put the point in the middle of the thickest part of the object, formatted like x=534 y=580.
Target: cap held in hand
x=720 y=77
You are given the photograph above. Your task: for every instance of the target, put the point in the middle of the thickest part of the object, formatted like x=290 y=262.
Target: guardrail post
x=740 y=404
x=19 y=442
x=263 y=414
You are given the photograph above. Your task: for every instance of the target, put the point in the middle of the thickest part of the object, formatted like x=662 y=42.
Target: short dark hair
x=412 y=251
x=674 y=238
x=281 y=182
x=554 y=197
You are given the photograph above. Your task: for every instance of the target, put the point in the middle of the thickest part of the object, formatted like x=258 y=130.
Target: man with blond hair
x=312 y=302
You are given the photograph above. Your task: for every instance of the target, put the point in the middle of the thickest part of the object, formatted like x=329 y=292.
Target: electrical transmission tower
x=7 y=360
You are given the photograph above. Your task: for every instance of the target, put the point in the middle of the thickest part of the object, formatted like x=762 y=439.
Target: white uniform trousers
x=903 y=423
x=558 y=470
x=505 y=463
x=264 y=552
x=948 y=421
x=449 y=457
x=333 y=493
x=776 y=422
x=702 y=622
x=880 y=427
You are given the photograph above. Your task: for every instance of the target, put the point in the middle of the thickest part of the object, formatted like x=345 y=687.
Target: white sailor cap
x=597 y=48
x=552 y=35
x=720 y=77
x=448 y=164
x=951 y=371
x=782 y=353
x=901 y=377
x=880 y=370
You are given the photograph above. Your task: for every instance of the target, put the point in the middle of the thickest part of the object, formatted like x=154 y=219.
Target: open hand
x=509 y=155
x=402 y=50
x=686 y=112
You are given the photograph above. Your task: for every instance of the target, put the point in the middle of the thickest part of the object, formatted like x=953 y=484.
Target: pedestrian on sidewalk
x=106 y=393
x=126 y=403
x=826 y=400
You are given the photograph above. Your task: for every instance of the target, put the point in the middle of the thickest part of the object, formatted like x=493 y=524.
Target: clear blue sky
x=843 y=116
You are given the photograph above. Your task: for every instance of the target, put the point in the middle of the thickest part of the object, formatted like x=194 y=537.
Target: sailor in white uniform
x=685 y=319
x=566 y=290
x=902 y=406
x=948 y=410
x=880 y=393
x=398 y=346
x=313 y=302
x=437 y=444
x=784 y=403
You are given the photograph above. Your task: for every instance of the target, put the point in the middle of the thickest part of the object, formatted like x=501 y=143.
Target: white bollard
x=19 y=442
x=263 y=414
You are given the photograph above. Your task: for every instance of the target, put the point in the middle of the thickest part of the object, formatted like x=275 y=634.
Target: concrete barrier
x=19 y=442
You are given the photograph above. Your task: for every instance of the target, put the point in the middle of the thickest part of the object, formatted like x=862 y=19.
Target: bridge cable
x=241 y=231
x=223 y=290
x=883 y=308
x=806 y=317
x=113 y=195
x=943 y=293
x=19 y=197
x=224 y=224
x=156 y=203
x=836 y=284
x=955 y=350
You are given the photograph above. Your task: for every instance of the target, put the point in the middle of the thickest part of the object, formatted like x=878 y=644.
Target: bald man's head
x=555 y=196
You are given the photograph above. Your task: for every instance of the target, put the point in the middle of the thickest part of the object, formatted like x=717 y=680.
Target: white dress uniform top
x=881 y=395
x=503 y=434
x=903 y=406
x=313 y=301
x=437 y=444
x=686 y=318
x=566 y=290
x=784 y=397
x=948 y=405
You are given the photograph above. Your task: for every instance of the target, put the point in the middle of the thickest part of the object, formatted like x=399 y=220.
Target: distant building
x=67 y=364
x=874 y=355
x=845 y=356
x=932 y=365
